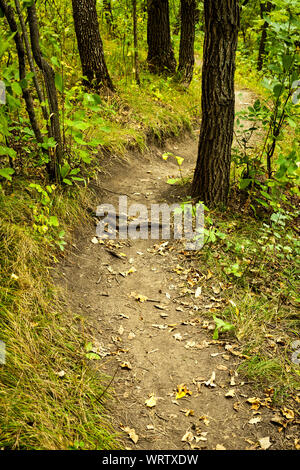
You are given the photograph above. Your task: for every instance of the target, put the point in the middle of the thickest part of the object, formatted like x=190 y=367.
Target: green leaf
x=6 y=173
x=59 y=82
x=53 y=221
x=173 y=180
x=16 y=87
x=92 y=355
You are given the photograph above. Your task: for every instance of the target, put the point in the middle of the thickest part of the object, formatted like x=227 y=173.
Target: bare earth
x=154 y=346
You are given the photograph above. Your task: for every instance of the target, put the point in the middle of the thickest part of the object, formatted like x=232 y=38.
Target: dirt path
x=154 y=346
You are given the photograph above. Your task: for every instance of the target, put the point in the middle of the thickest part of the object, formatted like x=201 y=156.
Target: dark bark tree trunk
x=49 y=78
x=187 y=39
x=212 y=174
x=108 y=15
x=264 y=8
x=135 y=43
x=9 y=14
x=39 y=91
x=161 y=57
x=90 y=45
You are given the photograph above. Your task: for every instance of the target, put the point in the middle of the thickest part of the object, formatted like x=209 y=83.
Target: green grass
x=39 y=409
x=260 y=296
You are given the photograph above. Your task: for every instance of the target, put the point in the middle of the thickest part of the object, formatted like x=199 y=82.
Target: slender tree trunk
x=187 y=39
x=31 y=64
x=161 y=57
x=49 y=77
x=264 y=8
x=108 y=15
x=135 y=43
x=212 y=173
x=90 y=45
x=9 y=14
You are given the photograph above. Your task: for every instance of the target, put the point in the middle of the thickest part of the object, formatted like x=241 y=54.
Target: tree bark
x=187 y=39
x=31 y=64
x=212 y=173
x=135 y=43
x=9 y=14
x=264 y=8
x=90 y=45
x=49 y=77
x=108 y=15
x=161 y=57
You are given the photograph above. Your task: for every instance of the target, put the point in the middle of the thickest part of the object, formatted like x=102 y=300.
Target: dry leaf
x=182 y=391
x=187 y=412
x=151 y=401
x=205 y=420
x=188 y=437
x=255 y=420
x=138 y=297
x=210 y=382
x=126 y=365
x=198 y=292
x=230 y=393
x=131 y=433
x=220 y=447
x=178 y=336
x=288 y=414
x=264 y=443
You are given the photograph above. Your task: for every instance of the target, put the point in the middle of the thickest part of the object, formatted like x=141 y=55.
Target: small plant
x=221 y=327
x=179 y=161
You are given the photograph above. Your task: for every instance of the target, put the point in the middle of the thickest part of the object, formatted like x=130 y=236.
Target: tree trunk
x=135 y=43
x=107 y=10
x=212 y=174
x=264 y=8
x=39 y=91
x=187 y=39
x=49 y=77
x=9 y=14
x=90 y=45
x=161 y=57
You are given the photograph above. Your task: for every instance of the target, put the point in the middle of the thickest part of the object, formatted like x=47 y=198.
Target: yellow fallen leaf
x=289 y=414
x=182 y=391
x=138 y=297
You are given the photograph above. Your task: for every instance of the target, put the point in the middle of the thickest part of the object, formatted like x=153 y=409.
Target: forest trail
x=154 y=346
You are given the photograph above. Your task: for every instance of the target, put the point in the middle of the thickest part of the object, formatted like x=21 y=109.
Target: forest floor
x=154 y=337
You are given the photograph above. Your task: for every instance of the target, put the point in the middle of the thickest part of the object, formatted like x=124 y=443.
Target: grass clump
x=48 y=392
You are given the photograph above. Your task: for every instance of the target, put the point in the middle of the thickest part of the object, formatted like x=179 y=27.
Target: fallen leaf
x=178 y=336
x=289 y=414
x=205 y=420
x=264 y=443
x=255 y=420
x=126 y=365
x=182 y=391
x=220 y=447
x=131 y=433
x=230 y=393
x=138 y=297
x=94 y=240
x=210 y=382
x=198 y=292
x=151 y=401
x=188 y=437
x=188 y=412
